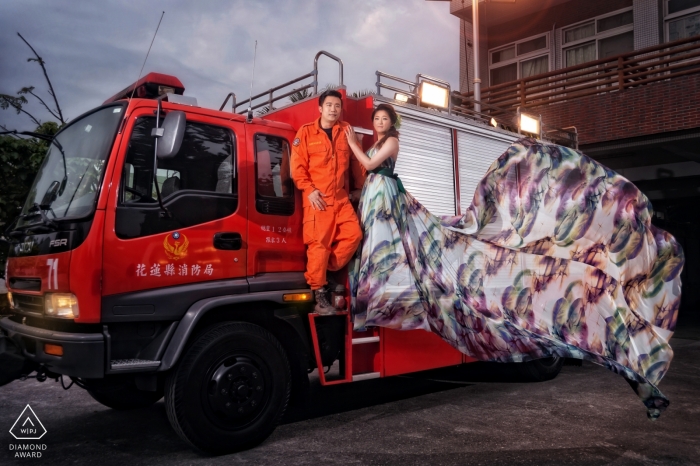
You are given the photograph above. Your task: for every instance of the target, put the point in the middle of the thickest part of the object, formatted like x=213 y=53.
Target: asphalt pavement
x=476 y=414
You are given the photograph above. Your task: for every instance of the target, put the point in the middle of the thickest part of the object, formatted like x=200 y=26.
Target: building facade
x=624 y=73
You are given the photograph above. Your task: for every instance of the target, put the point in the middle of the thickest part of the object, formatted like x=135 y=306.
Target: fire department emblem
x=176 y=248
x=296 y=142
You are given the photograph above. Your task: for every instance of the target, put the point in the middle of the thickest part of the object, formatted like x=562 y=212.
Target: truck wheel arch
x=266 y=309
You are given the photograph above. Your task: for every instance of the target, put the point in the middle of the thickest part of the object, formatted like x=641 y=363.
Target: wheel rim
x=237 y=391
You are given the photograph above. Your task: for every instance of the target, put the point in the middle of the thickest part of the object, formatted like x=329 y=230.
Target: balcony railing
x=612 y=74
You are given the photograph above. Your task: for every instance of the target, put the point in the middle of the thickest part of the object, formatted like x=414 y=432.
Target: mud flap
x=12 y=363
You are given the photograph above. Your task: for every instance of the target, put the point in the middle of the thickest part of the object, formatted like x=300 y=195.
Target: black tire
x=230 y=389
x=122 y=394
x=541 y=370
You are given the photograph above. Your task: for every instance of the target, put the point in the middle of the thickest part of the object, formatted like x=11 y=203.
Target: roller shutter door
x=425 y=164
x=476 y=154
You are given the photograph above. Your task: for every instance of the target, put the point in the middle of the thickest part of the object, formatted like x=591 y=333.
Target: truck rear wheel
x=122 y=394
x=540 y=370
x=230 y=389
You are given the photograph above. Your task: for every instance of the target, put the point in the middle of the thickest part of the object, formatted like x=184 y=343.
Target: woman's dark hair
x=329 y=93
x=392 y=133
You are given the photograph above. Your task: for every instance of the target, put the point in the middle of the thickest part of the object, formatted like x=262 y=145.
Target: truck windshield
x=86 y=143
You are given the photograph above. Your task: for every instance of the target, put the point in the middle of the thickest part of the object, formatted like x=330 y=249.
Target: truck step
x=366 y=376
x=365 y=340
x=133 y=364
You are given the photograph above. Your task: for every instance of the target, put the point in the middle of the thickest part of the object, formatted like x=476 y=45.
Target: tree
x=17 y=103
x=20 y=158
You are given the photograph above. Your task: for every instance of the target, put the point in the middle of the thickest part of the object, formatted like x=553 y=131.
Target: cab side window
x=197 y=185
x=274 y=191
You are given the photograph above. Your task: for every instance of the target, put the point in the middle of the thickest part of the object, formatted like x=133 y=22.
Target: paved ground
x=475 y=415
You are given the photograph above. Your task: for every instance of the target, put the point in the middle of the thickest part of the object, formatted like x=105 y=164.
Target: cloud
x=93 y=49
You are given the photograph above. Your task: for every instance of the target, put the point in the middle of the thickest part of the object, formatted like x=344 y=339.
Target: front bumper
x=83 y=353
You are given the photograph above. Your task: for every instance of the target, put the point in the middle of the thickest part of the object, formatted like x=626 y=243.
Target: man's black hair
x=329 y=93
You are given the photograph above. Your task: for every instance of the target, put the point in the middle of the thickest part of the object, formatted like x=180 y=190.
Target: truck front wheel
x=230 y=389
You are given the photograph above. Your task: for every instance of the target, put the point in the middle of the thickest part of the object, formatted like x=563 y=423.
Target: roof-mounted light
x=151 y=86
x=530 y=124
x=433 y=95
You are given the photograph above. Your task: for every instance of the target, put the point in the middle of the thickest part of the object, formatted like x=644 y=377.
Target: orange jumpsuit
x=331 y=235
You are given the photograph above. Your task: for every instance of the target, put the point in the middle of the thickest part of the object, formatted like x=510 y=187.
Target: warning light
x=151 y=86
x=297 y=297
x=53 y=350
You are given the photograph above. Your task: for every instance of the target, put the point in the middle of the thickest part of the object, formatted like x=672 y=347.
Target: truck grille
x=29 y=303
x=27 y=284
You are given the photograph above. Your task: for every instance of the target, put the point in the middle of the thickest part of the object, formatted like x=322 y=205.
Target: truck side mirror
x=173 y=130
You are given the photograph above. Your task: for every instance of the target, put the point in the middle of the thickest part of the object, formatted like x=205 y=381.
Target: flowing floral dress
x=556 y=256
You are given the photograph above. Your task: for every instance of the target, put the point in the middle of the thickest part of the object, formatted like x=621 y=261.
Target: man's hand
x=316 y=198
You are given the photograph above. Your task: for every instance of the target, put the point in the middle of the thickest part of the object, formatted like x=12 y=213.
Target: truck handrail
x=270 y=93
x=380 y=85
x=233 y=103
x=332 y=57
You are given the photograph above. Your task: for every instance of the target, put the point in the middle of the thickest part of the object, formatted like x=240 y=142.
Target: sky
x=93 y=49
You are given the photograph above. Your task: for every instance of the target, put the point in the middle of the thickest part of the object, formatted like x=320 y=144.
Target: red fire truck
x=159 y=253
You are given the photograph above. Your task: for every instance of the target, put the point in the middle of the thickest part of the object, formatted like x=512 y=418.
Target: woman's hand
x=354 y=140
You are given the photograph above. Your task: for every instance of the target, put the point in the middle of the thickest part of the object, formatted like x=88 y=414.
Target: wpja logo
x=28 y=427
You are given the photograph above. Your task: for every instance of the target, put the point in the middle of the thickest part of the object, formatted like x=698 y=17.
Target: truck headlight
x=62 y=305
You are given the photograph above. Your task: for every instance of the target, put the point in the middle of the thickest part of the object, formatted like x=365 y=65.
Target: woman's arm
x=389 y=149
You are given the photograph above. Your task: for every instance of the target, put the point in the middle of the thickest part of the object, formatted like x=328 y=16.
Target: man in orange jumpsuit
x=321 y=158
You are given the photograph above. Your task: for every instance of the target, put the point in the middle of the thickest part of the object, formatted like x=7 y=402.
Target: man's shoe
x=323 y=306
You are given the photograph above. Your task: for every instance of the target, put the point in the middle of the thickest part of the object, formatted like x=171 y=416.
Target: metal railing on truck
x=458 y=104
x=270 y=93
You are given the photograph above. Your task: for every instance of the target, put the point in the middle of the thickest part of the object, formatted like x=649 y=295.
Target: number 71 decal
x=53 y=272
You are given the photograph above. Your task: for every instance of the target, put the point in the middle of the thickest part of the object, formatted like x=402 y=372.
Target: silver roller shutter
x=425 y=164
x=476 y=154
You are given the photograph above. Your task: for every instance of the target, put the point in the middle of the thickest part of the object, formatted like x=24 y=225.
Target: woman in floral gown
x=556 y=256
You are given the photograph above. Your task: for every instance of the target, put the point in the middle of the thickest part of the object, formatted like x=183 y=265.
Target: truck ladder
x=352 y=342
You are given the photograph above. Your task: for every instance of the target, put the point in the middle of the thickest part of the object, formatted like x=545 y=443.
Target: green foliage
x=362 y=93
x=300 y=95
x=20 y=159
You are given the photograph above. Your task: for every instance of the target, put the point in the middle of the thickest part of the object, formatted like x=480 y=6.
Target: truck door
x=156 y=263
x=276 y=249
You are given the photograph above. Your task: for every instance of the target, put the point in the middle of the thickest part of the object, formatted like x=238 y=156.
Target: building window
x=600 y=37
x=682 y=19
x=520 y=59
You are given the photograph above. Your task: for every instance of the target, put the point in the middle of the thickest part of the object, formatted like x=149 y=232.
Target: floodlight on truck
x=529 y=124
x=434 y=95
